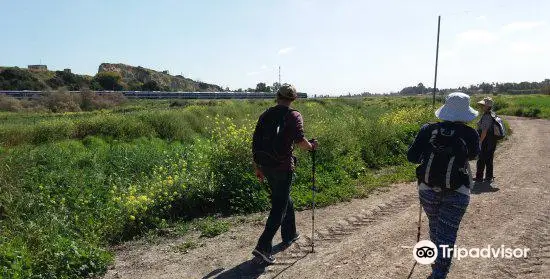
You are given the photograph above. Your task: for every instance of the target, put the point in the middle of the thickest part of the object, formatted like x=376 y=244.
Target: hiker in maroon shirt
x=277 y=130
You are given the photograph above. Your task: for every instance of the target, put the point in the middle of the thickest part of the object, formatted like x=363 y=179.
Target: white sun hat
x=456 y=108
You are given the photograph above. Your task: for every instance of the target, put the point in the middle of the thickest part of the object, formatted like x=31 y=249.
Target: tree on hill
x=109 y=81
x=203 y=85
x=151 y=86
x=68 y=80
x=19 y=79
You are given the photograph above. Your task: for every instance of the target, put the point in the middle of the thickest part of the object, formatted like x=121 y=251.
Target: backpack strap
x=285 y=115
x=435 y=130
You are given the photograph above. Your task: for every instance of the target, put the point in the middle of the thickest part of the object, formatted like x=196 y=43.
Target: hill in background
x=116 y=77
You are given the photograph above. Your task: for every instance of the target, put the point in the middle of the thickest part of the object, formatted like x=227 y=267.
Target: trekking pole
x=417 y=234
x=313 y=189
x=419 y=221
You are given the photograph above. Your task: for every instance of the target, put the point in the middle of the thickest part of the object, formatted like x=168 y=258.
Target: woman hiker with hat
x=487 y=139
x=443 y=149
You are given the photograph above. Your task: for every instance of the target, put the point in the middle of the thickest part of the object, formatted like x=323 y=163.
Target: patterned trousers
x=445 y=210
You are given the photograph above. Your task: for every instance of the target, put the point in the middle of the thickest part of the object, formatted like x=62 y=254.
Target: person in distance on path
x=488 y=141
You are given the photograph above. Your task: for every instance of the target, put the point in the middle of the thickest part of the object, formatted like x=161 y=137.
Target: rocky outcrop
x=134 y=77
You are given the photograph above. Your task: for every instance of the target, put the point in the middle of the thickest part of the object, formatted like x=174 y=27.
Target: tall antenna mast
x=436 y=59
x=279 y=75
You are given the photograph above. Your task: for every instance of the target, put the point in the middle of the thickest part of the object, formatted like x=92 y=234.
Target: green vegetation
x=210 y=227
x=20 y=79
x=524 y=87
x=63 y=101
x=73 y=183
x=15 y=78
x=109 y=81
x=186 y=246
x=114 y=77
x=524 y=105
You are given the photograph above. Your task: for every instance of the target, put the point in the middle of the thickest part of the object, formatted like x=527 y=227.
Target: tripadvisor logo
x=425 y=252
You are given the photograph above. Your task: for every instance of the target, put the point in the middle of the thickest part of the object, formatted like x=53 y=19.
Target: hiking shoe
x=289 y=242
x=478 y=180
x=263 y=256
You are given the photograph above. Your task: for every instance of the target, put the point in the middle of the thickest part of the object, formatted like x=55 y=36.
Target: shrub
x=91 y=179
x=151 y=86
x=92 y=101
x=52 y=131
x=186 y=246
x=61 y=101
x=210 y=227
x=19 y=79
x=499 y=104
x=114 y=126
x=527 y=112
x=109 y=81
x=238 y=189
x=15 y=259
x=69 y=80
x=8 y=103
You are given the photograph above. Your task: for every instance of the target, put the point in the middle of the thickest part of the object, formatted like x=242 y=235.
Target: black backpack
x=445 y=165
x=268 y=143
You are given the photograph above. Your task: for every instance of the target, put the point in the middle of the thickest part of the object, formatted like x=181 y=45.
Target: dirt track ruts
x=370 y=238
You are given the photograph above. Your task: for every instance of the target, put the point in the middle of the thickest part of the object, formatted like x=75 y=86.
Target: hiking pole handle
x=313 y=152
x=313 y=142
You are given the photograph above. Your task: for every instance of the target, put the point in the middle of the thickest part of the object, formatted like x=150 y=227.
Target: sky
x=322 y=47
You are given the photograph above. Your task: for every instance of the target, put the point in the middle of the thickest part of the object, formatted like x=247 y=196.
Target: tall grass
x=523 y=105
x=74 y=183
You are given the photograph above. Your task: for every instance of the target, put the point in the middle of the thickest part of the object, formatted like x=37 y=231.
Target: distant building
x=67 y=70
x=165 y=72
x=38 y=67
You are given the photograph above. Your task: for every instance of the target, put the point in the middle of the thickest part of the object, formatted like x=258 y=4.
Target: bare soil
x=373 y=237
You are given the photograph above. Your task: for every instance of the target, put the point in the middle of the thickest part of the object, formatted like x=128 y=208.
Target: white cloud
x=522 y=25
x=285 y=50
x=525 y=48
x=262 y=70
x=477 y=36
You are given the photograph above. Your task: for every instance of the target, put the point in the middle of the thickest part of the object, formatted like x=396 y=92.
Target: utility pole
x=279 y=75
x=436 y=59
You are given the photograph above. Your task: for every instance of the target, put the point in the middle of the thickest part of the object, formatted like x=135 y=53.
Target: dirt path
x=366 y=238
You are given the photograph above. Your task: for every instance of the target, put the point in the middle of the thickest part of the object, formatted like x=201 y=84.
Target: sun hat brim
x=447 y=114
x=484 y=103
